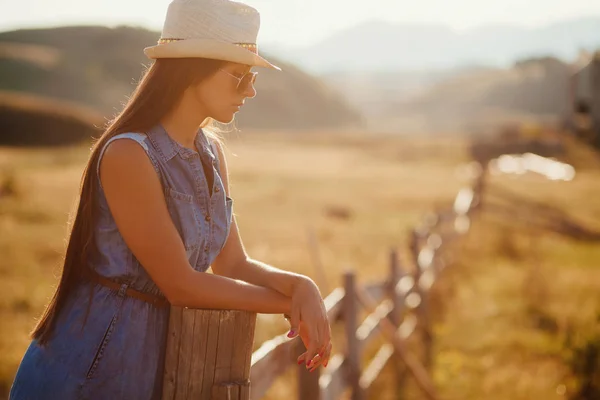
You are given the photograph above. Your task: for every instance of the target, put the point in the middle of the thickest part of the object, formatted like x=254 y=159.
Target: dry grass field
x=360 y=194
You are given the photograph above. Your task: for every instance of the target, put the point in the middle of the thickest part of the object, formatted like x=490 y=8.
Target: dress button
x=207 y=218
x=217 y=189
x=206 y=249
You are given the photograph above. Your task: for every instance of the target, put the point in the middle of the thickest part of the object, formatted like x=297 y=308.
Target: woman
x=153 y=215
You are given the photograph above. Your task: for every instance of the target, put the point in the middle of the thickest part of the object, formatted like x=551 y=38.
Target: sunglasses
x=243 y=82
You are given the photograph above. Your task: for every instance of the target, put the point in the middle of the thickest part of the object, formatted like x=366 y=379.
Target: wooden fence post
x=422 y=310
x=479 y=186
x=353 y=350
x=208 y=354
x=398 y=307
x=395 y=275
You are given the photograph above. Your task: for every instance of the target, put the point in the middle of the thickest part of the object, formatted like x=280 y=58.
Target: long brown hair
x=158 y=92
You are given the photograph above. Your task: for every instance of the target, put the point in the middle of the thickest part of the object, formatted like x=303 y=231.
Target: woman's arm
x=233 y=261
x=307 y=303
x=137 y=203
x=259 y=273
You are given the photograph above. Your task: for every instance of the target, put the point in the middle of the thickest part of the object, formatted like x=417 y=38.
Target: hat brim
x=207 y=48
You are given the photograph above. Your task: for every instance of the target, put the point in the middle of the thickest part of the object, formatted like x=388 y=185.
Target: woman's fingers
x=311 y=352
x=301 y=358
x=316 y=343
x=316 y=362
x=322 y=358
x=309 y=319
x=323 y=338
x=320 y=334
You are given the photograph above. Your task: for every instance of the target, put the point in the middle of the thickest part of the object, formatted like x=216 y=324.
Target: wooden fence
x=398 y=308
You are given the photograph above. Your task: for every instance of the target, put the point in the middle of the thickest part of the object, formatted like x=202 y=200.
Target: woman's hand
x=308 y=318
x=318 y=359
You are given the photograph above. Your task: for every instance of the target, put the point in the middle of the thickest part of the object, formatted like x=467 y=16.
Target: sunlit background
x=372 y=126
x=300 y=23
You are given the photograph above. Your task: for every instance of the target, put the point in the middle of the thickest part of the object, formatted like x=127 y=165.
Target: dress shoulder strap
x=140 y=138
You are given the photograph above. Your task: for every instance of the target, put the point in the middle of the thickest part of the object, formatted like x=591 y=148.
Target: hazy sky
x=303 y=21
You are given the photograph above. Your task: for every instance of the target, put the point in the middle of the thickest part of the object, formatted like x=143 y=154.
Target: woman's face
x=219 y=95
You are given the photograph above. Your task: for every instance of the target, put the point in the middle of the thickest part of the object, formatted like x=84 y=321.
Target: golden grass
x=360 y=194
x=514 y=296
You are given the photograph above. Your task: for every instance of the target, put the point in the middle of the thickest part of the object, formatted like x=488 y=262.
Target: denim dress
x=119 y=352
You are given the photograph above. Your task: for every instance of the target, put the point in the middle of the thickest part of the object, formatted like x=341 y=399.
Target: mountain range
x=384 y=46
x=378 y=76
x=98 y=67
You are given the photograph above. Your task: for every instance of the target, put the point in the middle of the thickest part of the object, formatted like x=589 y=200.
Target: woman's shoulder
x=138 y=137
x=127 y=154
x=132 y=155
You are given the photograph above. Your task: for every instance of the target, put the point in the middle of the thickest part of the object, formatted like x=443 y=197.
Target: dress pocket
x=184 y=213
x=101 y=348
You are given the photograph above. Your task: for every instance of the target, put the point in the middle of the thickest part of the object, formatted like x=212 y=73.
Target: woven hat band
x=248 y=46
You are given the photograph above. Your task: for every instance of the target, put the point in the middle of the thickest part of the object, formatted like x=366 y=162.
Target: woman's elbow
x=176 y=302
x=174 y=297
x=177 y=290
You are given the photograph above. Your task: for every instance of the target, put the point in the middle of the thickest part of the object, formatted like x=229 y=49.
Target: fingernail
x=308 y=365
x=300 y=362
x=291 y=333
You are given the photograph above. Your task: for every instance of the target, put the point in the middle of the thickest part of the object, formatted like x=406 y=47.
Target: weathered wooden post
x=479 y=187
x=396 y=274
x=422 y=309
x=208 y=354
x=353 y=346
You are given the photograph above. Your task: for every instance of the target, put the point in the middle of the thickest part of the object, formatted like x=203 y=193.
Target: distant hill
x=468 y=99
x=531 y=90
x=29 y=120
x=385 y=46
x=98 y=67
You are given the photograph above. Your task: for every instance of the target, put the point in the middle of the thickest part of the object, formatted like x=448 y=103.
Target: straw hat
x=216 y=29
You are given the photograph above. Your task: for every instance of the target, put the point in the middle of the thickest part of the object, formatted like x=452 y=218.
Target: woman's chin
x=225 y=119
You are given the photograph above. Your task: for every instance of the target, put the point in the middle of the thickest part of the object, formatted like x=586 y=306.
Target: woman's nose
x=250 y=91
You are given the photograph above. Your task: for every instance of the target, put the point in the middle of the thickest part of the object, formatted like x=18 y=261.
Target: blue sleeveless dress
x=119 y=352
